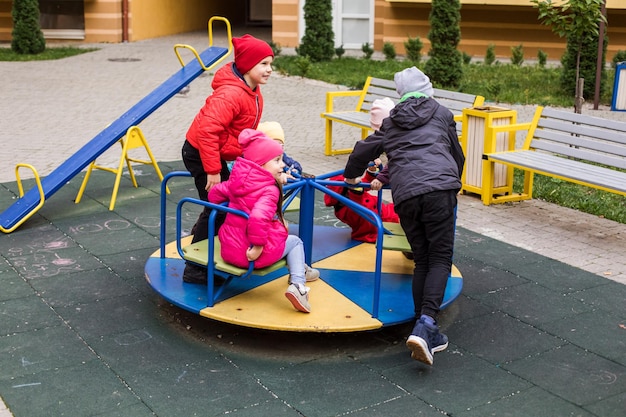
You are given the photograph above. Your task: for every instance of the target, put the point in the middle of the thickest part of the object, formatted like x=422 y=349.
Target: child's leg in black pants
x=428 y=221
x=193 y=163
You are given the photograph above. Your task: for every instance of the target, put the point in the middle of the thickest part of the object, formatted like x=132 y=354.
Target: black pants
x=193 y=163
x=429 y=222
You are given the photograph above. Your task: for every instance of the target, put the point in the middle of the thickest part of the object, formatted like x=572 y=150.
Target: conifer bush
x=27 y=37
x=445 y=66
x=318 y=42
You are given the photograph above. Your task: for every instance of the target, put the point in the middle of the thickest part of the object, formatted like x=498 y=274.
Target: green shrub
x=413 y=47
x=620 y=56
x=588 y=61
x=490 y=55
x=303 y=63
x=517 y=55
x=27 y=37
x=318 y=42
x=542 y=58
x=367 y=51
x=340 y=51
x=389 y=50
x=467 y=58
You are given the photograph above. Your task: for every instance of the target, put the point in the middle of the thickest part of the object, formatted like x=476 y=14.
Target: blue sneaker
x=425 y=340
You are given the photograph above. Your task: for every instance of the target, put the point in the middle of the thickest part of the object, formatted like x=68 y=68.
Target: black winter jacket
x=422 y=147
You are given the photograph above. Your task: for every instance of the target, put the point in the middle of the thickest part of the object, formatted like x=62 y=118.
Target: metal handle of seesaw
x=20 y=189
x=192 y=49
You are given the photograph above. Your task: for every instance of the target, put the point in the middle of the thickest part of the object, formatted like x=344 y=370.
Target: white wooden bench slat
x=563 y=167
x=567 y=146
x=597 y=133
x=378 y=88
x=598 y=155
x=551 y=113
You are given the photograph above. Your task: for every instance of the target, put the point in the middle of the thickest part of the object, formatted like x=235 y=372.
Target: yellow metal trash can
x=478 y=138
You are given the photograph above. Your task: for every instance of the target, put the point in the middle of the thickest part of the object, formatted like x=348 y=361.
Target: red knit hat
x=249 y=51
x=258 y=147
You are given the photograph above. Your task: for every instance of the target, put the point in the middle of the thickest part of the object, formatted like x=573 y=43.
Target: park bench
x=578 y=148
x=377 y=88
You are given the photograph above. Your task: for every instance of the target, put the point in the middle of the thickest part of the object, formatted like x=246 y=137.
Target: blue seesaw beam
x=31 y=201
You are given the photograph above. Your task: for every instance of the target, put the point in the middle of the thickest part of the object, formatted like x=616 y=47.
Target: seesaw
x=362 y=286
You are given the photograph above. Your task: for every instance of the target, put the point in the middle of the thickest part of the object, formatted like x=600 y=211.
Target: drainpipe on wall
x=124 y=20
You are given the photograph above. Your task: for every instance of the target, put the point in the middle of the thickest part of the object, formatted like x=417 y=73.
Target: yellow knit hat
x=272 y=129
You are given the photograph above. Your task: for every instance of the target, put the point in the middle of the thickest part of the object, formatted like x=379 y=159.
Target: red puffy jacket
x=362 y=230
x=231 y=108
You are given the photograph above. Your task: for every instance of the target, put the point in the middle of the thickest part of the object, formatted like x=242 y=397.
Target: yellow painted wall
x=285 y=22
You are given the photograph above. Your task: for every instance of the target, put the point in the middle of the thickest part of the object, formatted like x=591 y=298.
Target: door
x=354 y=23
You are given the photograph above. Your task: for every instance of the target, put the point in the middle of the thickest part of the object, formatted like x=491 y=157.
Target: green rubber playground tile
x=107 y=236
x=610 y=407
x=23 y=354
x=168 y=369
x=572 y=373
x=117 y=315
x=86 y=389
x=607 y=295
x=129 y=265
x=533 y=303
x=555 y=275
x=48 y=263
x=26 y=314
x=81 y=287
x=61 y=207
x=406 y=405
x=463 y=308
x=527 y=403
x=598 y=331
x=338 y=382
x=489 y=337
x=30 y=240
x=439 y=385
x=13 y=286
x=479 y=277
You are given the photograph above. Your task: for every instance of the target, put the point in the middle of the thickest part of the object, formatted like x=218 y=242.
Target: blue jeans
x=294 y=253
x=428 y=221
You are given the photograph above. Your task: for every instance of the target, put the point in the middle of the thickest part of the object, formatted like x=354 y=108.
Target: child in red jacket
x=211 y=141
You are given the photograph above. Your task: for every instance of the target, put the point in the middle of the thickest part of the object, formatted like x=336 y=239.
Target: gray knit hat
x=413 y=80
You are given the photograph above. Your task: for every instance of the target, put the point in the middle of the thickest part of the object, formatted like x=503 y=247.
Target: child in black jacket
x=425 y=163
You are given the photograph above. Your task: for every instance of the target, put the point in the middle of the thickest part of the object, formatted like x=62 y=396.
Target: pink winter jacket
x=252 y=190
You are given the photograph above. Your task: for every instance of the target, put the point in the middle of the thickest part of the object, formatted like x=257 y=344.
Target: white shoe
x=298 y=294
x=311 y=274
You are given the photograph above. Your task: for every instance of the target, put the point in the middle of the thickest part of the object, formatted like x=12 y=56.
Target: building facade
x=503 y=23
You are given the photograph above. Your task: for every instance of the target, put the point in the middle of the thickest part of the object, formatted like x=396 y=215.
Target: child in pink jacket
x=255 y=187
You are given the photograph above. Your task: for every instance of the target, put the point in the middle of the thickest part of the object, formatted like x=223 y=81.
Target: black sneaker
x=195 y=274
x=425 y=340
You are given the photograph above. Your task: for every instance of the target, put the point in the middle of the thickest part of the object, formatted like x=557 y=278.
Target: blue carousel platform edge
x=341 y=300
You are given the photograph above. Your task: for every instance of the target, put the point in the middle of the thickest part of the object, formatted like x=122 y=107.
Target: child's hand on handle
x=211 y=180
x=254 y=252
x=376 y=185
